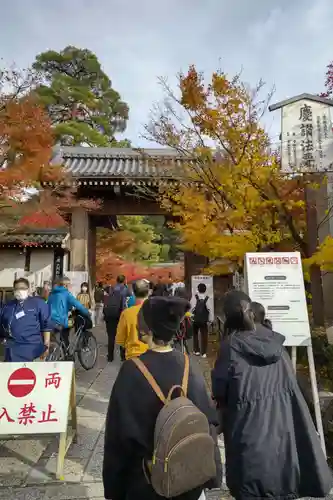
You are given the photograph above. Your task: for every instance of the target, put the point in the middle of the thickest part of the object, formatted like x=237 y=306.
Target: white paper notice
x=275 y=280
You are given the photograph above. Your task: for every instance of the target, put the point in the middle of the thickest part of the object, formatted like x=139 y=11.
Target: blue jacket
x=131 y=300
x=26 y=322
x=61 y=301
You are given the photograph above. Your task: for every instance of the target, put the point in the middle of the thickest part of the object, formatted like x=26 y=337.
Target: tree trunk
x=317 y=296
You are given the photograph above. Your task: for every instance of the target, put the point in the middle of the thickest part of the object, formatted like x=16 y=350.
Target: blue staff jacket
x=61 y=301
x=25 y=321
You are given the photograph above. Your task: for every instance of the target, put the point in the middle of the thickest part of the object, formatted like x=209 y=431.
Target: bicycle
x=82 y=344
x=182 y=336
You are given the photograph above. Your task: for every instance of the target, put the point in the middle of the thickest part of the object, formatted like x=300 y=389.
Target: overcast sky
x=287 y=43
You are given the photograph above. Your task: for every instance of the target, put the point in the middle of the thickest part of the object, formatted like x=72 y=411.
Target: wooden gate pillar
x=193 y=264
x=92 y=252
x=79 y=240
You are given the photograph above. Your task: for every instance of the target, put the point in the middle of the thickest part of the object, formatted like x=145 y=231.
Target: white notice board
x=35 y=397
x=275 y=279
x=208 y=281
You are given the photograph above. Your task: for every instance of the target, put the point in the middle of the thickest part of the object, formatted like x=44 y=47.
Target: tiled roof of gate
x=34 y=238
x=120 y=162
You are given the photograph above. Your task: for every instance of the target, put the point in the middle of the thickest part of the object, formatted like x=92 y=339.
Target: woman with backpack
x=158 y=444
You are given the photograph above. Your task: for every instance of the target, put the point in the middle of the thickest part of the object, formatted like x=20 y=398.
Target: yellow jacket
x=85 y=300
x=127 y=333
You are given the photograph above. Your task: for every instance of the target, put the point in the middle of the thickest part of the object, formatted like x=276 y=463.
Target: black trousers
x=111 y=330
x=122 y=353
x=200 y=337
x=65 y=336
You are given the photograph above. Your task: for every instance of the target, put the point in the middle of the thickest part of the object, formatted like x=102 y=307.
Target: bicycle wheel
x=57 y=352
x=87 y=350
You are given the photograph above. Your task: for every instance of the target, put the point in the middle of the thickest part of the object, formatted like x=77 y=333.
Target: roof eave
x=300 y=97
x=27 y=244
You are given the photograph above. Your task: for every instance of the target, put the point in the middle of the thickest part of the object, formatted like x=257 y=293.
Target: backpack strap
x=184 y=386
x=150 y=379
x=186 y=374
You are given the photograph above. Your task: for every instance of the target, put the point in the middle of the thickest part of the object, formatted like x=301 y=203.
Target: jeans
x=98 y=313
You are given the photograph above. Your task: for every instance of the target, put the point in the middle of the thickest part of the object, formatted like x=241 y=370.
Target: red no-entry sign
x=21 y=382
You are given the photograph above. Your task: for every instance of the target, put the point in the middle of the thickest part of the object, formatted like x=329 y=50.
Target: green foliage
x=323 y=355
x=169 y=238
x=146 y=246
x=82 y=105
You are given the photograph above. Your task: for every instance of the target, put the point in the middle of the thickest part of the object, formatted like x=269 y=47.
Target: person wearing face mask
x=84 y=296
x=25 y=323
x=85 y=299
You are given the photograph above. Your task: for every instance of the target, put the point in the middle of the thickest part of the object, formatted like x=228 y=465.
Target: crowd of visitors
x=272 y=446
x=162 y=424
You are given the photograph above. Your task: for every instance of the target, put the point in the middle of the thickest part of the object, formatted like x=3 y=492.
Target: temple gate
x=115 y=176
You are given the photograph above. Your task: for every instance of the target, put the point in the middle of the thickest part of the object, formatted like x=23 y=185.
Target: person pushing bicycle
x=61 y=302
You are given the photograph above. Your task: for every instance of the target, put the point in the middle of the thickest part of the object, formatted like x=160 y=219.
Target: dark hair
x=259 y=312
x=141 y=289
x=159 y=290
x=100 y=284
x=235 y=304
x=161 y=317
x=268 y=324
x=202 y=288
x=84 y=284
x=121 y=279
x=182 y=293
x=260 y=315
x=22 y=280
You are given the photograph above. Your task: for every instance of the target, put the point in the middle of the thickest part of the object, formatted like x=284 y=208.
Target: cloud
x=288 y=44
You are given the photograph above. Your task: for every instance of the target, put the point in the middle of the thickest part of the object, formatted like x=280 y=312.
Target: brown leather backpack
x=184 y=451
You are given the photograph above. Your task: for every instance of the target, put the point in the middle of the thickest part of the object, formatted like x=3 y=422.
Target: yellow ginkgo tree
x=231 y=197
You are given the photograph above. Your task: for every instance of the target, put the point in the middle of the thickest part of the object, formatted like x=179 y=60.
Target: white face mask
x=84 y=289
x=21 y=294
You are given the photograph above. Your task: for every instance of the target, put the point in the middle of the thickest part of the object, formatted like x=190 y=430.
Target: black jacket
x=272 y=448
x=131 y=418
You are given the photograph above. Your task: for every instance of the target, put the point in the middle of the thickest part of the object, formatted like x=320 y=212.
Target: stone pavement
x=27 y=466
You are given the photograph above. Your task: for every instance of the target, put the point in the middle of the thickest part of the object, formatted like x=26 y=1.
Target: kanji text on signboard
x=34 y=397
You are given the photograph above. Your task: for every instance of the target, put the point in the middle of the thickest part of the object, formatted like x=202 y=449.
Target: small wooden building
x=32 y=252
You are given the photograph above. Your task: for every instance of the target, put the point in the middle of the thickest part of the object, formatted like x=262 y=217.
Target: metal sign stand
x=314 y=389
x=66 y=438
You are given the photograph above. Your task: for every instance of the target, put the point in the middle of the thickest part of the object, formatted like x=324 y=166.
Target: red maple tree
x=29 y=184
x=110 y=265
x=328 y=81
